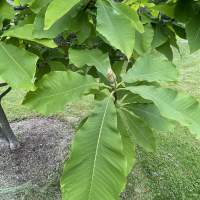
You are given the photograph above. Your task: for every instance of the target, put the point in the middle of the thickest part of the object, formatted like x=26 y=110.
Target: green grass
x=172 y=172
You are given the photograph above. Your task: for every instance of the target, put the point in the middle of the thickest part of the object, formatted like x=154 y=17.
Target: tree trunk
x=6 y=131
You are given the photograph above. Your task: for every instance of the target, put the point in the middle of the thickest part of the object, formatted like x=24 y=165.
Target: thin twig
x=5 y=93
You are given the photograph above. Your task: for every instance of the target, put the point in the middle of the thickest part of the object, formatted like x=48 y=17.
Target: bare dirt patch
x=33 y=171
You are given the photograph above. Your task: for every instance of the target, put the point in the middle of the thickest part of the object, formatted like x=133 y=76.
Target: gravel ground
x=37 y=164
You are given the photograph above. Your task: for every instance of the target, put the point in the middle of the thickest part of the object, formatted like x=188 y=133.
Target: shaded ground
x=36 y=165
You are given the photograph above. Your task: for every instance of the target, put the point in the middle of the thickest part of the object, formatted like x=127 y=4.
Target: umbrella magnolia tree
x=118 y=52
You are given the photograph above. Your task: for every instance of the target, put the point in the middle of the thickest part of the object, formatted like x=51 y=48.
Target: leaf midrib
x=97 y=148
x=66 y=91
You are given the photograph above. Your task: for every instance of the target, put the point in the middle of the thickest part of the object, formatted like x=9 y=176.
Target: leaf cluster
x=120 y=53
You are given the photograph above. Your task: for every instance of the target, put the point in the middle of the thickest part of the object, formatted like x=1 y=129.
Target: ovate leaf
x=91 y=58
x=56 y=10
x=173 y=105
x=96 y=169
x=151 y=115
x=25 y=33
x=137 y=129
x=152 y=67
x=143 y=40
x=115 y=27
x=17 y=66
x=56 y=89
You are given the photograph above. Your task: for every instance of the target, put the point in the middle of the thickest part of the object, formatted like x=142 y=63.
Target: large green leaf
x=6 y=11
x=137 y=129
x=143 y=40
x=37 y=5
x=91 y=58
x=152 y=67
x=151 y=115
x=173 y=105
x=96 y=169
x=128 y=145
x=115 y=26
x=130 y=14
x=193 y=33
x=17 y=66
x=56 y=10
x=56 y=89
x=58 y=27
x=25 y=33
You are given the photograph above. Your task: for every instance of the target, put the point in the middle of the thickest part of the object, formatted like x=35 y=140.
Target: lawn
x=172 y=172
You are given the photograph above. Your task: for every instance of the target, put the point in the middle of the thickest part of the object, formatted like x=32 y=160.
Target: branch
x=5 y=93
x=3 y=84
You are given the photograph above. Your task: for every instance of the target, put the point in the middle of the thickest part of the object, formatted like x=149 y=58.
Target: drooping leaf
x=115 y=27
x=56 y=10
x=58 y=27
x=137 y=129
x=17 y=66
x=92 y=57
x=128 y=145
x=96 y=169
x=173 y=105
x=143 y=40
x=56 y=89
x=151 y=115
x=193 y=33
x=152 y=67
x=25 y=33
